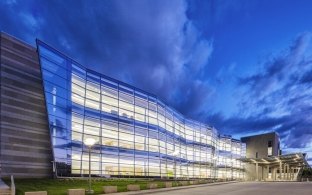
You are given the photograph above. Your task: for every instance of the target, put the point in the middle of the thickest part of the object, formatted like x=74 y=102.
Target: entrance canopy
x=296 y=159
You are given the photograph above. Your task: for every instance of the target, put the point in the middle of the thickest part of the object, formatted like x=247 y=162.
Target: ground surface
x=248 y=188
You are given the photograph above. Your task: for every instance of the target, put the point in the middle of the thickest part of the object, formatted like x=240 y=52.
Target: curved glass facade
x=136 y=134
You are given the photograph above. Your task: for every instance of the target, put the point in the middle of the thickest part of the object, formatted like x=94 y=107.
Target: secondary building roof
x=295 y=159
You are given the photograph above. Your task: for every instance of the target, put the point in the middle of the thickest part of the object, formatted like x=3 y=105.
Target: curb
x=142 y=192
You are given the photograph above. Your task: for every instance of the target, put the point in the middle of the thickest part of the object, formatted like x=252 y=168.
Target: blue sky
x=243 y=66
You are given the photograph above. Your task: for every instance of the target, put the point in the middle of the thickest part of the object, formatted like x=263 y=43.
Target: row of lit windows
x=148 y=144
x=144 y=169
x=193 y=137
x=106 y=133
x=141 y=140
x=114 y=126
x=120 y=169
x=123 y=103
x=124 y=138
x=144 y=118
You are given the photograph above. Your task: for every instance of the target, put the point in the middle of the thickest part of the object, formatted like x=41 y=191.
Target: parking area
x=248 y=188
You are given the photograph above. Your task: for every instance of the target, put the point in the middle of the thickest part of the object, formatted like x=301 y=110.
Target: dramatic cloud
x=279 y=70
x=277 y=98
x=144 y=43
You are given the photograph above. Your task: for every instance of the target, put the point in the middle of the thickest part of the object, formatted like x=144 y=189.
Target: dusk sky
x=242 y=66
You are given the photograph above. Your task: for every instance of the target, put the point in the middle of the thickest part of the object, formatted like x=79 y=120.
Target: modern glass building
x=137 y=134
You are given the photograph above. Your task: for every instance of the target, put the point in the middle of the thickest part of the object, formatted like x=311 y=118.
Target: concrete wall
x=259 y=143
x=25 y=149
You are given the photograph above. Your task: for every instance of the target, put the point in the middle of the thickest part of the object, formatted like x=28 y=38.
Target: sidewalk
x=172 y=188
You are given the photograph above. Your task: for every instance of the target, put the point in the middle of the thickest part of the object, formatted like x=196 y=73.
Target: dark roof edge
x=261 y=134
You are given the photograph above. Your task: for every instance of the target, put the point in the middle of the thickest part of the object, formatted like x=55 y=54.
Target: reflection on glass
x=135 y=133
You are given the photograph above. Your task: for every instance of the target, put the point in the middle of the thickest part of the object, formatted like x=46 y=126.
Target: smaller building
x=263 y=145
x=265 y=162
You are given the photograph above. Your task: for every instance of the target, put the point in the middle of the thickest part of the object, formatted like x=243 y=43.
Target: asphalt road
x=248 y=188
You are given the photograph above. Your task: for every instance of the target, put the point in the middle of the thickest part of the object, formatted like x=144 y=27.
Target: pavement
x=168 y=190
x=242 y=188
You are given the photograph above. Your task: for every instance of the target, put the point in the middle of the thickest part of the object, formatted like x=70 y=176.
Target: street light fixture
x=89 y=142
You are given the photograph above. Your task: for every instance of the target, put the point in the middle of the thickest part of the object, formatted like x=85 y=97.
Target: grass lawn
x=60 y=186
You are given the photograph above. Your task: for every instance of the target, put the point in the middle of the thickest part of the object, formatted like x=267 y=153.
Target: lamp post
x=53 y=168
x=89 y=142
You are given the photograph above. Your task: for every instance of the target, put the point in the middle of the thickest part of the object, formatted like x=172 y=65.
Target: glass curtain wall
x=136 y=134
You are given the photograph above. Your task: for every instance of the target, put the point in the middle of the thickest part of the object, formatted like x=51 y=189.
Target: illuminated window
x=270 y=149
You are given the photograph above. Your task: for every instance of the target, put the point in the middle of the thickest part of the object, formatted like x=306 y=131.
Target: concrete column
x=257 y=172
x=280 y=171
x=274 y=174
x=262 y=173
x=284 y=171
x=267 y=171
x=289 y=169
